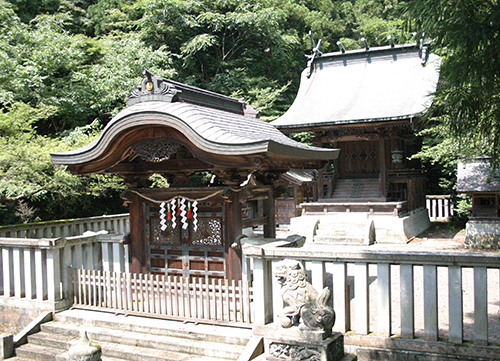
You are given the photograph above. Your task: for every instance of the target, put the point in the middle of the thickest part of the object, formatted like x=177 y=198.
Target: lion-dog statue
x=304 y=307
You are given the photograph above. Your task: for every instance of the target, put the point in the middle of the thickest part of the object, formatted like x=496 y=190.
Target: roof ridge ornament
x=315 y=52
x=365 y=43
x=424 y=50
x=153 y=87
x=391 y=41
x=341 y=47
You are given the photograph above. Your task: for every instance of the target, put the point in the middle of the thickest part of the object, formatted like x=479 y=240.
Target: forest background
x=67 y=65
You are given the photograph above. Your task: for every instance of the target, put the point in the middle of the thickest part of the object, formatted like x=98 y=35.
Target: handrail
x=33 y=271
x=117 y=223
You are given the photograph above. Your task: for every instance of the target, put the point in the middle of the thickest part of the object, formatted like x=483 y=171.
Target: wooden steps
x=353 y=190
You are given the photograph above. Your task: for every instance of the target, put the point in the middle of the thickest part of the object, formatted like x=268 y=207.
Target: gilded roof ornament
x=152 y=87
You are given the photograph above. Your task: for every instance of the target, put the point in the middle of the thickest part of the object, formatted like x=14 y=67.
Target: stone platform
x=333 y=226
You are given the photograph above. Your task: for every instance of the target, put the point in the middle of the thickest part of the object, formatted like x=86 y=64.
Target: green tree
x=467 y=101
x=28 y=178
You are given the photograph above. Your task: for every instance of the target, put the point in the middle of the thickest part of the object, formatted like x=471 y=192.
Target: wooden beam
x=254 y=222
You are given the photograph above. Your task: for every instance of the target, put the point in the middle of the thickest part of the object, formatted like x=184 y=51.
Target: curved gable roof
x=363 y=86
x=210 y=133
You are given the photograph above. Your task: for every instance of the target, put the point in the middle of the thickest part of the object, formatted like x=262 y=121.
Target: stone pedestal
x=294 y=344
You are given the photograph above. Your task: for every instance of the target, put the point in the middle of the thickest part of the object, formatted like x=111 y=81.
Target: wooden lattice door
x=188 y=252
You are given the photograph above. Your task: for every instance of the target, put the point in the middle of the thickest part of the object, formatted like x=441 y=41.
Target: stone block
x=482 y=234
x=6 y=346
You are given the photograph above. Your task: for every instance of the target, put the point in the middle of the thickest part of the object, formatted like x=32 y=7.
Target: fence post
x=384 y=298
x=53 y=274
x=455 y=304
x=41 y=274
x=8 y=278
x=481 y=305
x=362 y=298
x=407 y=301
x=118 y=258
x=341 y=297
x=18 y=268
x=29 y=273
x=262 y=292
x=431 y=327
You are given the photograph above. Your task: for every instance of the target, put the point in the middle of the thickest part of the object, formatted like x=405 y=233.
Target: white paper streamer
x=163 y=221
x=173 y=210
x=195 y=215
x=184 y=218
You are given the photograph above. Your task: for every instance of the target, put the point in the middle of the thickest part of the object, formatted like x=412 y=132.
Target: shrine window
x=485 y=205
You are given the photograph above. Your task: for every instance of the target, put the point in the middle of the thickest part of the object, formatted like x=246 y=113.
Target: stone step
x=51 y=340
x=339 y=240
x=39 y=353
x=62 y=335
x=110 y=352
x=152 y=326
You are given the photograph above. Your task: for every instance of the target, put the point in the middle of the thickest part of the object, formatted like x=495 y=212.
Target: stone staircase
x=134 y=338
x=346 y=230
x=357 y=190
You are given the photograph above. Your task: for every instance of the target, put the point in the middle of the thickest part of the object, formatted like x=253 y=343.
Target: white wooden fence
x=440 y=208
x=118 y=223
x=34 y=272
x=173 y=297
x=386 y=293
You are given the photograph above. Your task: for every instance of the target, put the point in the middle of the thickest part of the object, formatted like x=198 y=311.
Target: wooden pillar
x=232 y=229
x=383 y=168
x=298 y=195
x=270 y=212
x=321 y=186
x=317 y=141
x=137 y=249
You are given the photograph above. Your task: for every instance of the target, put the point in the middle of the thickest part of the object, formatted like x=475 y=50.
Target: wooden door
x=190 y=252
x=359 y=159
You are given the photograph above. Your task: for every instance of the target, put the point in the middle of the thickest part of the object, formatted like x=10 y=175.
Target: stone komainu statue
x=303 y=304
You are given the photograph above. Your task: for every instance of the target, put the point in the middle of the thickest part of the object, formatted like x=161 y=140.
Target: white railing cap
x=32 y=242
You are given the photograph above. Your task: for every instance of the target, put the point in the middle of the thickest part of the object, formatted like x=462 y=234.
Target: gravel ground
x=441 y=237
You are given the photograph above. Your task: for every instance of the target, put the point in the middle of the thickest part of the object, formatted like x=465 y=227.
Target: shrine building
x=177 y=130
x=368 y=103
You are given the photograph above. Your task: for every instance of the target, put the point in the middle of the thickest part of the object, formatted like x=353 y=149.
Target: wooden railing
x=172 y=297
x=440 y=208
x=428 y=295
x=33 y=272
x=118 y=223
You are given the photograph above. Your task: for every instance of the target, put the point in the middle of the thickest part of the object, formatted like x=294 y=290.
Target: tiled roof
x=212 y=130
x=380 y=84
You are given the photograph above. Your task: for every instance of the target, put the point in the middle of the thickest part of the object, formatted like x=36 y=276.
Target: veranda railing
x=426 y=295
x=173 y=297
x=117 y=223
x=33 y=272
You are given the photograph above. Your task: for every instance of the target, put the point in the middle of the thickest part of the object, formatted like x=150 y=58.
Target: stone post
x=85 y=350
x=6 y=346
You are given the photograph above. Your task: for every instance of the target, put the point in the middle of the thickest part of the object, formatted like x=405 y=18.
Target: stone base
x=389 y=228
x=293 y=344
x=484 y=233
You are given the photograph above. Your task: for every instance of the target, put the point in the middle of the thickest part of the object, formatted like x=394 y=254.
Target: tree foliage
x=66 y=66
x=467 y=101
